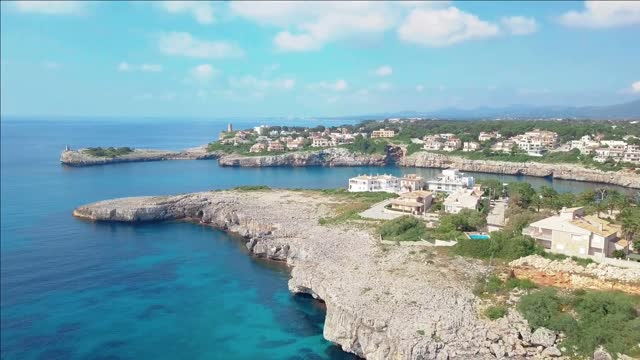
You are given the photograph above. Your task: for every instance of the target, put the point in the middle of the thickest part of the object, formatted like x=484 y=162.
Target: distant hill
x=629 y=110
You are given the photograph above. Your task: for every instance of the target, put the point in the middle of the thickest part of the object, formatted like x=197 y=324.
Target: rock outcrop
x=80 y=158
x=383 y=302
x=603 y=271
x=557 y=171
x=324 y=157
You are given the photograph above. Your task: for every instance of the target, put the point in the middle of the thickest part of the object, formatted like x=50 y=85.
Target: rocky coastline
x=383 y=302
x=331 y=157
x=78 y=158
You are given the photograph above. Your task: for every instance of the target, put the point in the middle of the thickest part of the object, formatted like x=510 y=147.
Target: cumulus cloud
x=202 y=11
x=519 y=25
x=635 y=87
x=203 y=72
x=442 y=27
x=126 y=67
x=311 y=25
x=602 y=14
x=50 y=7
x=338 y=85
x=249 y=82
x=183 y=44
x=384 y=70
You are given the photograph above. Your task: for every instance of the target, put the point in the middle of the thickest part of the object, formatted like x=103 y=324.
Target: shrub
x=251 y=188
x=404 y=228
x=495 y=312
x=588 y=318
x=501 y=245
x=108 y=152
x=524 y=284
x=618 y=254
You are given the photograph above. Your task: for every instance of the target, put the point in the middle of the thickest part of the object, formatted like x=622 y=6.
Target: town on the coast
x=568 y=231
x=601 y=145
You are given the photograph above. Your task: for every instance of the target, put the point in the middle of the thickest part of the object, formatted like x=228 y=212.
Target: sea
x=72 y=289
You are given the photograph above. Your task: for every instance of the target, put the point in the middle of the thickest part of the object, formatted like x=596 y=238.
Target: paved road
x=377 y=211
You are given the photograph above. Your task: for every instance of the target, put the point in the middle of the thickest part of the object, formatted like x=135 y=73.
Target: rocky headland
x=557 y=171
x=324 y=157
x=383 y=302
x=80 y=158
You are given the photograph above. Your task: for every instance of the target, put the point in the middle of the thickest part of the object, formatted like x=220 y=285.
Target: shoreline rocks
x=334 y=157
x=77 y=158
x=383 y=302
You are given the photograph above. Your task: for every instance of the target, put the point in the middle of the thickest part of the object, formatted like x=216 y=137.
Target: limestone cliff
x=324 y=157
x=557 y=171
x=383 y=302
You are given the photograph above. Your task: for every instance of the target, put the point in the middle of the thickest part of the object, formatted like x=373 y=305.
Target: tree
x=630 y=219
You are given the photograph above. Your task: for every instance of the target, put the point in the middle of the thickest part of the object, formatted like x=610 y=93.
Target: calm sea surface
x=77 y=290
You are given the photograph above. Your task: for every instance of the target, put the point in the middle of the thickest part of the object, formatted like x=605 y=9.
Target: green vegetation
x=501 y=245
x=492 y=285
x=252 y=188
x=110 y=152
x=354 y=204
x=367 y=146
x=494 y=312
x=404 y=228
x=587 y=318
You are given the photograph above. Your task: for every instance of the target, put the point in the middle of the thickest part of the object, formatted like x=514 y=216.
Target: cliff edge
x=383 y=302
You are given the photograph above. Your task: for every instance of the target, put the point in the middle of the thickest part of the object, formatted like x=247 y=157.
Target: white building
x=383 y=133
x=433 y=143
x=462 y=199
x=505 y=146
x=321 y=142
x=605 y=154
x=452 y=144
x=486 y=136
x=586 y=145
x=261 y=130
x=450 y=180
x=377 y=183
x=470 y=146
x=574 y=234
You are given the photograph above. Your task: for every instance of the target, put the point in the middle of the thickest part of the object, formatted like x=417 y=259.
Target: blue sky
x=199 y=59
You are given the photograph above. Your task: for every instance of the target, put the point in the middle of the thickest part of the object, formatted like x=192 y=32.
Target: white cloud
x=310 y=25
x=204 y=72
x=419 y=88
x=151 y=67
x=601 y=14
x=339 y=85
x=635 y=87
x=261 y=85
x=51 y=65
x=383 y=86
x=442 y=27
x=50 y=7
x=183 y=44
x=519 y=25
x=384 y=70
x=124 y=67
x=202 y=11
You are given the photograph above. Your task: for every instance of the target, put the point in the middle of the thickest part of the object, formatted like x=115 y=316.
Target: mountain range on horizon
x=621 y=111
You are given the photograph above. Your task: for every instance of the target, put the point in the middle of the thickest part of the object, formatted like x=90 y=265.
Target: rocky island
x=382 y=301
x=83 y=157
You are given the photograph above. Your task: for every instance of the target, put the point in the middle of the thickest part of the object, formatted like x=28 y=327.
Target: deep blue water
x=78 y=290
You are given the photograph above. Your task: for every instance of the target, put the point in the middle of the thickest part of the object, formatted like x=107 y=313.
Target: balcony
x=537 y=233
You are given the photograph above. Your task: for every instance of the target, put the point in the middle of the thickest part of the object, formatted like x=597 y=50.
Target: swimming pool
x=478 y=236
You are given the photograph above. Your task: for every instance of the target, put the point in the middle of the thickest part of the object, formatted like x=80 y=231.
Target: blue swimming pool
x=479 y=237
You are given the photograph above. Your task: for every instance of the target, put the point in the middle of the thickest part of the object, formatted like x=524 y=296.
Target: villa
x=411 y=182
x=470 y=146
x=574 y=234
x=383 y=133
x=463 y=199
x=321 y=142
x=450 y=181
x=365 y=183
x=414 y=202
x=452 y=144
x=275 y=146
x=487 y=136
x=433 y=143
x=258 y=147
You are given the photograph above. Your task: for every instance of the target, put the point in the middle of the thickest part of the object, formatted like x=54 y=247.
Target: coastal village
x=535 y=143
x=569 y=232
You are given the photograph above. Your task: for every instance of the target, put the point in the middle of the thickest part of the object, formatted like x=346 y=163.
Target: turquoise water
x=479 y=237
x=77 y=290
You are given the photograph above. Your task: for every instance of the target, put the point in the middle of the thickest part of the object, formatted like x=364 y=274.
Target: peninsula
x=383 y=301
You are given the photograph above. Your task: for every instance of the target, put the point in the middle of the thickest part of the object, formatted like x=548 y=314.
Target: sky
x=279 y=59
